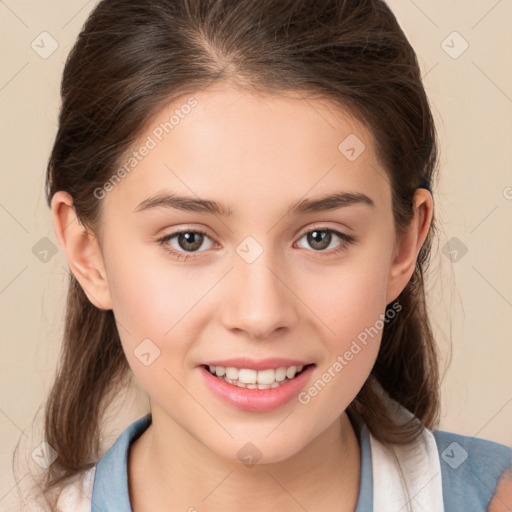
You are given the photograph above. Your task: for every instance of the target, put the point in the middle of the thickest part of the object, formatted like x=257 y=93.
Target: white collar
x=406 y=478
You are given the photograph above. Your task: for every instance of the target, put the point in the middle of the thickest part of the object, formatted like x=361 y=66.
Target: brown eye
x=321 y=238
x=190 y=240
x=186 y=242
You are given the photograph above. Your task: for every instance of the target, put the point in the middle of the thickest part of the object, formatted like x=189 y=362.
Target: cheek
x=155 y=329
x=353 y=309
x=142 y=303
x=147 y=300
x=158 y=310
x=150 y=294
x=351 y=299
x=351 y=304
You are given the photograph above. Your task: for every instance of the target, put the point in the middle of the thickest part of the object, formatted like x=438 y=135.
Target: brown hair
x=134 y=56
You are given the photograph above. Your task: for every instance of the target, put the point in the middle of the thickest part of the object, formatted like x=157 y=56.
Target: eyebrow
x=190 y=204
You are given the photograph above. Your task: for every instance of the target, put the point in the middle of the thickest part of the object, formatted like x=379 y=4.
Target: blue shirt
x=470 y=470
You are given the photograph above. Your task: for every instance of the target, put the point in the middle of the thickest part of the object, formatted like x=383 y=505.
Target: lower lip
x=256 y=399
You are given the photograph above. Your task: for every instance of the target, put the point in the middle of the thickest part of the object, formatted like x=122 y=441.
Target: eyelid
x=323 y=227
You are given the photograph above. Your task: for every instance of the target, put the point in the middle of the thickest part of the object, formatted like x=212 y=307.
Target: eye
x=320 y=239
x=188 y=241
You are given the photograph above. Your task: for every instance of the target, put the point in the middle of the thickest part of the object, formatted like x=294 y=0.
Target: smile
x=256 y=379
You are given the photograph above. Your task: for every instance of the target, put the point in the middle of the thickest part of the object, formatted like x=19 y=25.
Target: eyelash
x=347 y=240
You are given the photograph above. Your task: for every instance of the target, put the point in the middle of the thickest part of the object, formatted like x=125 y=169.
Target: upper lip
x=258 y=364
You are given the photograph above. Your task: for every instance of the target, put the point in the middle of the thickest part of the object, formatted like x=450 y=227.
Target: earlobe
x=409 y=244
x=83 y=253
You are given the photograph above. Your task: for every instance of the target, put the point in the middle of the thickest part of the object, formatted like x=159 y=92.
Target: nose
x=259 y=300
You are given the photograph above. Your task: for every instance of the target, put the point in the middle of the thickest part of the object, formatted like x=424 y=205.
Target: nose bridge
x=258 y=301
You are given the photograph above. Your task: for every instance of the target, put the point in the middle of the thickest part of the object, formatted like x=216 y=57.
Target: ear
x=82 y=250
x=409 y=244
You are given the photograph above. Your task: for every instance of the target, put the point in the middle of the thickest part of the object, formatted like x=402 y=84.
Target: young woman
x=243 y=191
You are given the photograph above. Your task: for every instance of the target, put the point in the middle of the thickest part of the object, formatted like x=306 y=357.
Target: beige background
x=471 y=296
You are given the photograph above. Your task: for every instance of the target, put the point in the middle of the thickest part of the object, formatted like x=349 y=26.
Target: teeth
x=290 y=372
x=253 y=386
x=262 y=379
x=280 y=374
x=231 y=373
x=219 y=370
x=249 y=376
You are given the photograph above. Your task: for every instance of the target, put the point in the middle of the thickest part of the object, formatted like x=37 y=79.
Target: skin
x=501 y=500
x=256 y=155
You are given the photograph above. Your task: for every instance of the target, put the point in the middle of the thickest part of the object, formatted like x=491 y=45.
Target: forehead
x=251 y=151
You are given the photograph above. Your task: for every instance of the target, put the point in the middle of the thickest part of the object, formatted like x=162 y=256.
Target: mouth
x=257 y=379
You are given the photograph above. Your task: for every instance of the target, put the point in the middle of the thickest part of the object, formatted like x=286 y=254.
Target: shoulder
x=471 y=468
x=76 y=495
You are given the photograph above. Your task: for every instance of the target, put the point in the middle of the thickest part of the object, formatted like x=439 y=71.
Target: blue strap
x=470 y=468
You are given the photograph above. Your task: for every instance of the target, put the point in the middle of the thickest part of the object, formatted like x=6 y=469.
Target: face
x=266 y=281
